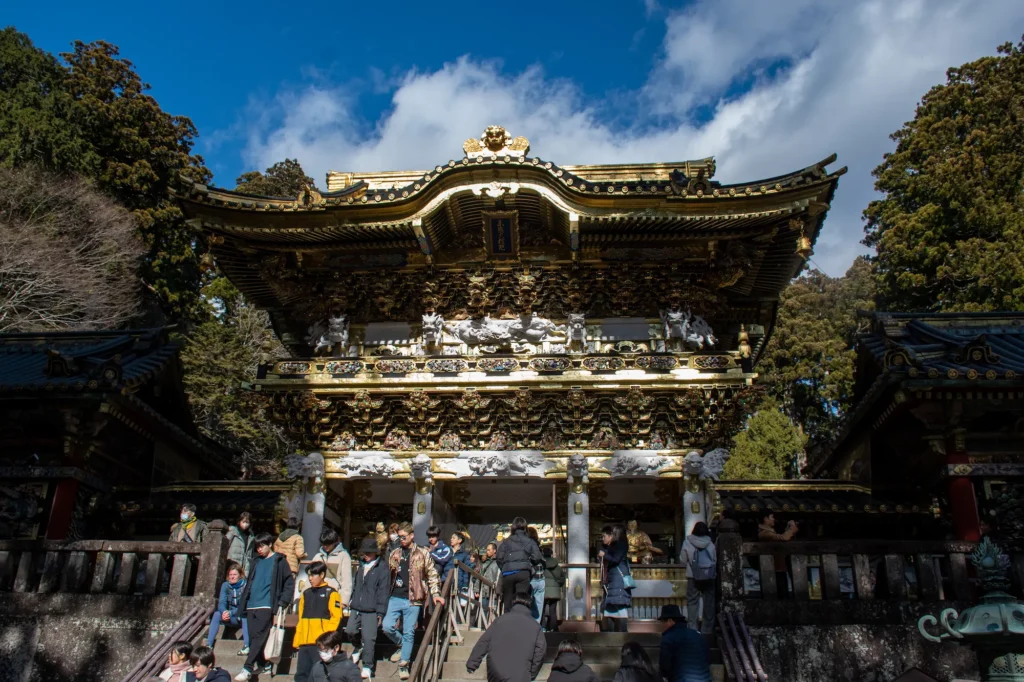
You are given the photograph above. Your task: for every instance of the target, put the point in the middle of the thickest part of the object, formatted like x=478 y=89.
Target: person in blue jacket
x=227 y=609
x=684 y=652
x=459 y=553
x=440 y=552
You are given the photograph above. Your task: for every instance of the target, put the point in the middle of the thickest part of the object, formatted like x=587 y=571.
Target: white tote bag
x=275 y=643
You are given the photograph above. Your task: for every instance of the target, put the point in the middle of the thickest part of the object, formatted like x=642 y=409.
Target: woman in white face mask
x=393 y=541
x=334 y=666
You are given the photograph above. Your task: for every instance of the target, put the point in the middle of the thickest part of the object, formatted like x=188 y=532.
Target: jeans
x=693 y=597
x=235 y=621
x=399 y=607
x=537 y=587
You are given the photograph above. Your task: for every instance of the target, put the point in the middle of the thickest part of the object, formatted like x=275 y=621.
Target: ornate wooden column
x=962 y=499
x=577 y=538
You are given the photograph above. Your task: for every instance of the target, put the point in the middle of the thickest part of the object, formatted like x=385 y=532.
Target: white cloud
x=851 y=74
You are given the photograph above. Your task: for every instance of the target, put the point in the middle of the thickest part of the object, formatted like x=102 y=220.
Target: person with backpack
x=701 y=563
x=517 y=555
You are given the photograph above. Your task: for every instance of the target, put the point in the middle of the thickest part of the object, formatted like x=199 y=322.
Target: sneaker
x=356 y=655
x=243 y=676
x=403 y=670
x=244 y=651
x=396 y=657
x=268 y=670
x=366 y=674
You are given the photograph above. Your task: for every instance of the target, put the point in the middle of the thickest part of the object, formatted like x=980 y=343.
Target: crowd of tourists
x=392 y=581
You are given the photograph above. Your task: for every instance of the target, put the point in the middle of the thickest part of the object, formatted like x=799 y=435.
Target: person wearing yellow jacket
x=319 y=612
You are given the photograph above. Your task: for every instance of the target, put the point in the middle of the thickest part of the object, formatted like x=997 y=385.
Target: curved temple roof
x=654 y=215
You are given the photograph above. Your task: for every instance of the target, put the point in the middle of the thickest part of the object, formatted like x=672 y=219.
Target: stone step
x=718 y=674
x=591 y=654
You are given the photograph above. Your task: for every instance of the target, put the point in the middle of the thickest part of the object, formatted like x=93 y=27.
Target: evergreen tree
x=808 y=365
x=91 y=116
x=949 y=232
x=768 y=448
x=283 y=179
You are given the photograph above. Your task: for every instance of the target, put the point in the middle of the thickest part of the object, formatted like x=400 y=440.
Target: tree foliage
x=949 y=232
x=768 y=448
x=220 y=355
x=809 y=362
x=283 y=179
x=90 y=115
x=68 y=255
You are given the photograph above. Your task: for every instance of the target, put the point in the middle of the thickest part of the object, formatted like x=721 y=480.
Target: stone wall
x=81 y=637
x=857 y=653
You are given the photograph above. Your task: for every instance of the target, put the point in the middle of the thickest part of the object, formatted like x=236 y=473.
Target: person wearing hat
x=684 y=652
x=369 y=603
x=514 y=644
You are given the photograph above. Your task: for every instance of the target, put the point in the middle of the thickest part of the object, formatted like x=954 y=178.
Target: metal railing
x=460 y=609
x=156 y=660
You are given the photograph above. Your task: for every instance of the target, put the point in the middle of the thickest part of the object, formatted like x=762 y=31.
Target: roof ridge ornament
x=496 y=141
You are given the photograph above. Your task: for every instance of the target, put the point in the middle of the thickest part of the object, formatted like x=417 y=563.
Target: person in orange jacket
x=319 y=612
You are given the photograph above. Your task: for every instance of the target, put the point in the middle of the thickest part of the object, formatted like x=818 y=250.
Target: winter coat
x=768 y=534
x=684 y=655
x=197 y=533
x=443 y=556
x=177 y=672
x=634 y=674
x=423 y=579
x=215 y=675
x=289 y=543
x=372 y=589
x=518 y=552
x=339 y=571
x=691 y=546
x=340 y=669
x=490 y=570
x=569 y=667
x=319 y=612
x=616 y=566
x=241 y=547
x=554 y=579
x=229 y=596
x=463 y=556
x=282 y=584
x=514 y=646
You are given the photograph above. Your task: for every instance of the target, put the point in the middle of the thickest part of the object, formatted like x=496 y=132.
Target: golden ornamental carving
x=496 y=141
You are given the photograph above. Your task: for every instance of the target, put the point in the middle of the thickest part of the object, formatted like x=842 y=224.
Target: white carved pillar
x=699 y=486
x=577 y=538
x=316 y=501
x=423 y=496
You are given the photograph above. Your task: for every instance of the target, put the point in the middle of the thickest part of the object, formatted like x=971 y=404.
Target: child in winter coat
x=177 y=662
x=319 y=612
x=333 y=666
x=203 y=669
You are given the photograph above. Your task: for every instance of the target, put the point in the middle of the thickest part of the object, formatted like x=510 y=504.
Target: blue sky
x=766 y=88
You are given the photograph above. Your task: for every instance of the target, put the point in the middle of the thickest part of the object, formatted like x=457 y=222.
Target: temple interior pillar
x=422 y=509
x=962 y=499
x=314 y=504
x=578 y=551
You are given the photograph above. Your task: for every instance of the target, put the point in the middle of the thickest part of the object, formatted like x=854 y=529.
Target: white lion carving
x=577 y=469
x=433 y=328
x=330 y=336
x=577 y=332
x=710 y=466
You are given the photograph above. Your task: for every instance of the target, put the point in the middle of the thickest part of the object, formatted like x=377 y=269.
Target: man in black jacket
x=517 y=556
x=370 y=593
x=514 y=644
x=270 y=587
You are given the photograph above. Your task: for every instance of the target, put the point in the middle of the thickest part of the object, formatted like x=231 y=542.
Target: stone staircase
x=601 y=651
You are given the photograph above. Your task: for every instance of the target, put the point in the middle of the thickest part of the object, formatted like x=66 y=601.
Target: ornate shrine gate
x=500 y=318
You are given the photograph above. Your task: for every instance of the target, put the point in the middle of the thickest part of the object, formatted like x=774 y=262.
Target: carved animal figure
x=577 y=469
x=675 y=324
x=482 y=465
x=420 y=468
x=522 y=464
x=630 y=465
x=700 y=333
x=433 y=327
x=374 y=465
x=330 y=336
x=309 y=466
x=710 y=466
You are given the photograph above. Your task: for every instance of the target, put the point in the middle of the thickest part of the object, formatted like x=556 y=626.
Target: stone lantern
x=995 y=627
